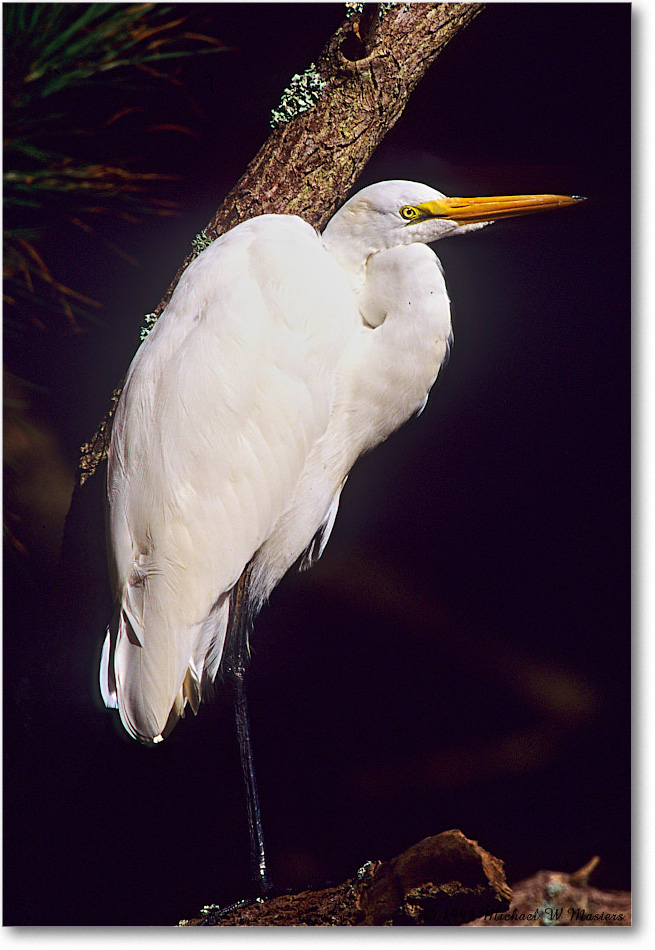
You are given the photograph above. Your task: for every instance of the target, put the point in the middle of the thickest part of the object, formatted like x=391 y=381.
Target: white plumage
x=282 y=356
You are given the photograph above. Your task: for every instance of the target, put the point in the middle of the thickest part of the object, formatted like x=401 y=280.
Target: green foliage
x=53 y=52
x=52 y=46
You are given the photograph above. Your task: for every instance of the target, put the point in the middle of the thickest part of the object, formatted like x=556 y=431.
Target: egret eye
x=409 y=213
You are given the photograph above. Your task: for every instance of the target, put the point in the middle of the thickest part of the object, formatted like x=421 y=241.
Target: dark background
x=460 y=656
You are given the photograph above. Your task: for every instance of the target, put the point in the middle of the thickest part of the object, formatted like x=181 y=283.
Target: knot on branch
x=361 y=27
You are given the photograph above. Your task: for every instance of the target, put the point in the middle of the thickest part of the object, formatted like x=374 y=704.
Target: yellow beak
x=470 y=210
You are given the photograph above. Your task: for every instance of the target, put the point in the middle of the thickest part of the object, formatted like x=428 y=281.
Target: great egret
x=282 y=356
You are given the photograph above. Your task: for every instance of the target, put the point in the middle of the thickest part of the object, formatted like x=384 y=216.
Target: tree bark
x=307 y=166
x=558 y=899
x=370 y=66
x=443 y=880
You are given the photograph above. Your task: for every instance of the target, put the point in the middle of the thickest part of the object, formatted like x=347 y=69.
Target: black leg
x=234 y=664
x=257 y=851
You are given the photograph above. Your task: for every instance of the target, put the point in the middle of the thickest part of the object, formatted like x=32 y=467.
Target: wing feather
x=317 y=545
x=222 y=404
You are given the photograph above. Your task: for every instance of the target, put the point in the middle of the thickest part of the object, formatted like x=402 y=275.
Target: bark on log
x=443 y=880
x=553 y=898
x=446 y=880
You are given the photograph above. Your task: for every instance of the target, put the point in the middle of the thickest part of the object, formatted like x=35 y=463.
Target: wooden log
x=444 y=880
x=554 y=898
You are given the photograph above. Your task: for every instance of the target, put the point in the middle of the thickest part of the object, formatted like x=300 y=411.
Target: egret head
x=390 y=213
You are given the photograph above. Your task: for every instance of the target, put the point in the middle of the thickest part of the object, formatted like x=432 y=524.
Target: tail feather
x=148 y=694
x=209 y=646
x=191 y=692
x=107 y=680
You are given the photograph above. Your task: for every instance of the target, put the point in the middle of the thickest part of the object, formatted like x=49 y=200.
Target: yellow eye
x=409 y=213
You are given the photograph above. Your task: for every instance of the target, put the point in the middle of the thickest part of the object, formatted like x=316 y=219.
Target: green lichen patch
x=301 y=95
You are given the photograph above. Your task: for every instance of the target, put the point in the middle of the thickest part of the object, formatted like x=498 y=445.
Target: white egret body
x=282 y=356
